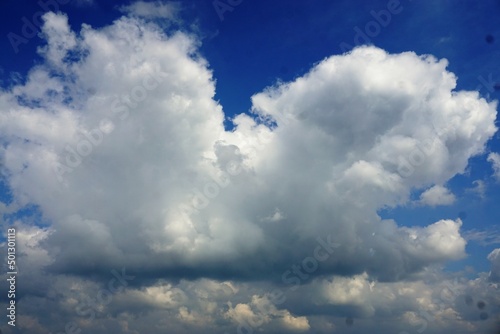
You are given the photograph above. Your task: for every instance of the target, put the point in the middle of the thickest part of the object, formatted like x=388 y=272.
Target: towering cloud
x=116 y=139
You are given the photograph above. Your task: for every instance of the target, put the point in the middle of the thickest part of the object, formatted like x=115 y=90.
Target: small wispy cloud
x=151 y=10
x=276 y=216
x=437 y=195
x=494 y=158
x=479 y=188
x=485 y=237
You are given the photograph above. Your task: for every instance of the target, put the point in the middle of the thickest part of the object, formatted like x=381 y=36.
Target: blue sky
x=222 y=138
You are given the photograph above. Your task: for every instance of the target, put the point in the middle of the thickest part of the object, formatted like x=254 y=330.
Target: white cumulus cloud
x=116 y=138
x=437 y=195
